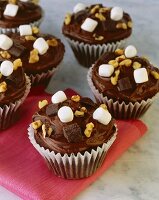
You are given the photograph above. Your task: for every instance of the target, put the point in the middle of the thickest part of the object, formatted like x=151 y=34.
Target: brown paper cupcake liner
x=120 y=110
x=43 y=78
x=73 y=166
x=16 y=29
x=8 y=112
x=87 y=54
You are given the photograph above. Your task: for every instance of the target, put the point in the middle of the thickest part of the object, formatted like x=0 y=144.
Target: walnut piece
x=30 y=37
x=136 y=65
x=42 y=104
x=126 y=62
x=44 y=130
x=114 y=79
x=3 y=87
x=103 y=106
x=75 y=98
x=130 y=24
x=37 y=124
x=35 y=30
x=155 y=75
x=94 y=9
x=119 y=52
x=34 y=57
x=100 y=16
x=114 y=63
x=67 y=19
x=79 y=113
x=5 y=54
x=53 y=42
x=121 y=26
x=89 y=129
x=17 y=63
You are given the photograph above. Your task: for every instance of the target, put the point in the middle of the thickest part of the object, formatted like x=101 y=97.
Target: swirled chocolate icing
x=16 y=85
x=69 y=137
x=126 y=89
x=28 y=12
x=106 y=28
x=22 y=48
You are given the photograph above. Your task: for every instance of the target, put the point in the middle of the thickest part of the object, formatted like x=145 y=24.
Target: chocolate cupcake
x=72 y=134
x=124 y=81
x=14 y=88
x=96 y=29
x=40 y=53
x=14 y=13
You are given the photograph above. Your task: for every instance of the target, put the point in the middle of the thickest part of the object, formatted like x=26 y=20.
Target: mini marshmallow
x=102 y=116
x=116 y=13
x=59 y=97
x=106 y=70
x=130 y=51
x=78 y=7
x=65 y=114
x=11 y=10
x=6 y=68
x=24 y=0
x=140 y=75
x=25 y=30
x=5 y=42
x=41 y=45
x=89 y=25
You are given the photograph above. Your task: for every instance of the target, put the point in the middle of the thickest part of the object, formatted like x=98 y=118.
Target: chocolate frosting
x=75 y=140
x=16 y=85
x=126 y=89
x=28 y=12
x=106 y=28
x=46 y=62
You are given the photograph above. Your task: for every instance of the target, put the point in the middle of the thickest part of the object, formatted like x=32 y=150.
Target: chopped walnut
x=79 y=113
x=53 y=42
x=68 y=19
x=3 y=87
x=126 y=62
x=119 y=52
x=103 y=10
x=35 y=30
x=30 y=37
x=121 y=26
x=104 y=106
x=114 y=79
x=98 y=37
x=5 y=54
x=42 y=104
x=37 y=124
x=94 y=9
x=17 y=63
x=49 y=132
x=136 y=65
x=75 y=98
x=12 y=1
x=130 y=24
x=83 y=109
x=100 y=16
x=155 y=75
x=34 y=57
x=44 y=130
x=120 y=58
x=114 y=63
x=89 y=129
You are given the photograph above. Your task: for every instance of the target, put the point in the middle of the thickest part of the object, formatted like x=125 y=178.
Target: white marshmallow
x=130 y=51
x=25 y=30
x=5 y=42
x=106 y=70
x=24 y=0
x=78 y=7
x=59 y=97
x=11 y=10
x=140 y=75
x=89 y=25
x=65 y=114
x=101 y=115
x=116 y=13
x=6 y=68
x=41 y=45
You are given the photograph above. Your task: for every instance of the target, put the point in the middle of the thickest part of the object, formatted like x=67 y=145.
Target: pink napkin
x=24 y=172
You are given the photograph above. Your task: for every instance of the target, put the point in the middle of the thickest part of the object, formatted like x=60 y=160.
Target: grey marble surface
x=135 y=176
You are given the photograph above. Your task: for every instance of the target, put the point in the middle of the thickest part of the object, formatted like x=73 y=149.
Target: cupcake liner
x=42 y=78
x=120 y=110
x=16 y=29
x=8 y=112
x=73 y=166
x=87 y=54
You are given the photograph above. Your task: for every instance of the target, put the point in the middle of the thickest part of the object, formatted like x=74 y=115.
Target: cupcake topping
x=102 y=115
x=3 y=87
x=130 y=51
x=5 y=42
x=42 y=104
x=65 y=114
x=59 y=97
x=89 y=25
x=6 y=68
x=116 y=13
x=106 y=70
x=78 y=7
x=25 y=30
x=11 y=10
x=41 y=45
x=140 y=75
x=89 y=129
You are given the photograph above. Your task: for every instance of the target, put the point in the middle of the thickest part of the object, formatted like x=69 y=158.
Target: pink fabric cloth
x=24 y=172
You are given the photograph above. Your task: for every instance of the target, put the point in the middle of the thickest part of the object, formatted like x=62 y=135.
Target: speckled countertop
x=135 y=176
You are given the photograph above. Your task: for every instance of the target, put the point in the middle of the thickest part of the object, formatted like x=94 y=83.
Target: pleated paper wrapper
x=120 y=110
x=87 y=54
x=73 y=166
x=8 y=112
